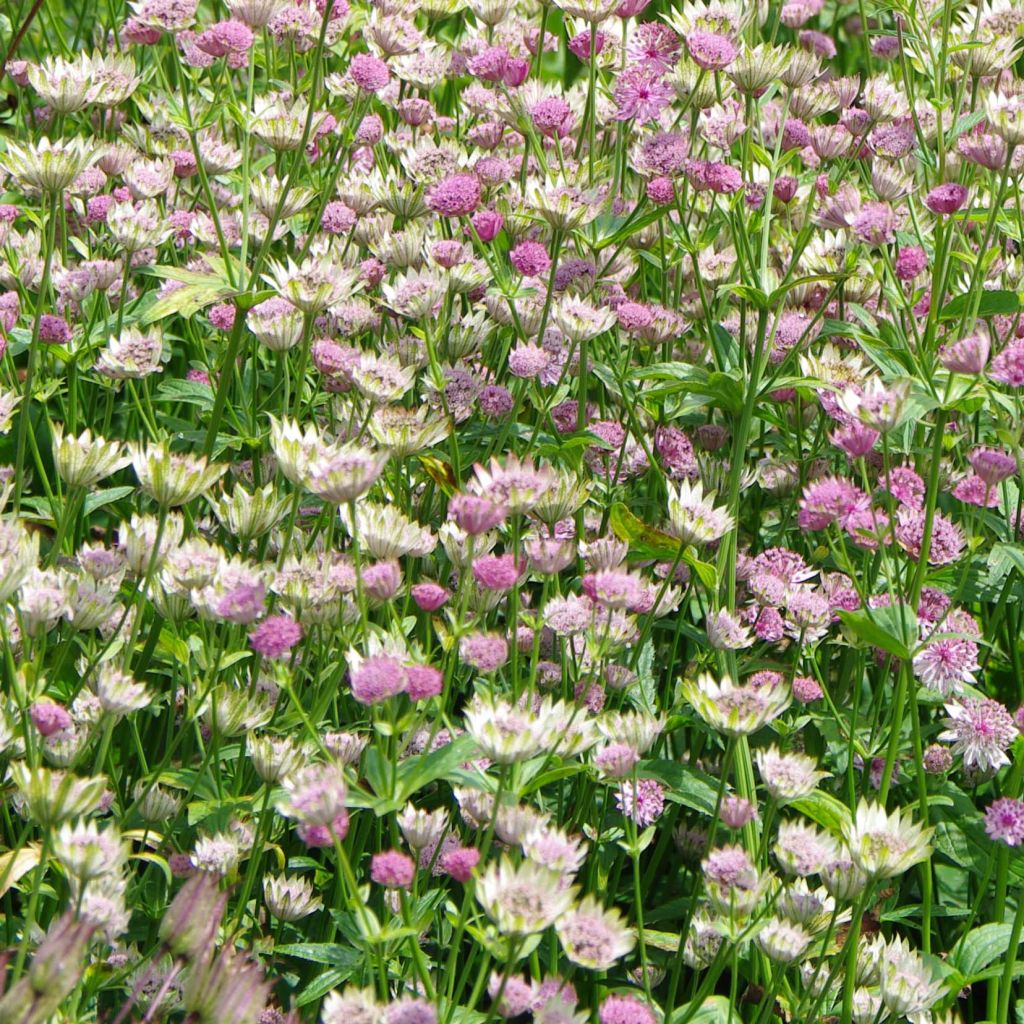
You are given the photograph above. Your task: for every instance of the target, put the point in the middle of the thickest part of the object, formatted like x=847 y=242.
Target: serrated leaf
x=193 y=392
x=892 y=628
x=686 y=785
x=105 y=497
x=321 y=953
x=979 y=947
x=16 y=863
x=824 y=809
x=416 y=772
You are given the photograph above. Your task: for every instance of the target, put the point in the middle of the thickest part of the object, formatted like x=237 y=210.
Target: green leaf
x=745 y=291
x=713 y=1010
x=191 y=391
x=892 y=628
x=706 y=572
x=686 y=785
x=992 y=303
x=979 y=947
x=416 y=772
x=323 y=984
x=824 y=809
x=186 y=301
x=321 y=953
x=721 y=388
x=644 y=541
x=644 y=693
x=1012 y=553
x=105 y=497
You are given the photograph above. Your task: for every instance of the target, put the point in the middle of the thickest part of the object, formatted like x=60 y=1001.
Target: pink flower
x=487 y=224
x=946 y=199
x=496 y=572
x=377 y=678
x=641 y=95
x=429 y=596
x=49 y=718
x=460 y=863
x=711 y=51
x=457 y=196
x=910 y=261
x=1008 y=366
x=425 y=681
x=625 y=1010
x=275 y=636
x=643 y=802
x=393 y=869
x=1004 y=821
x=368 y=72
x=531 y=259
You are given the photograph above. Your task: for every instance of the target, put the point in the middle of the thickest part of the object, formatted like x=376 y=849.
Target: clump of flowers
x=510 y=512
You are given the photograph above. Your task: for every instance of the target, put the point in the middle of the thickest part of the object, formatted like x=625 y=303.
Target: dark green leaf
x=991 y=303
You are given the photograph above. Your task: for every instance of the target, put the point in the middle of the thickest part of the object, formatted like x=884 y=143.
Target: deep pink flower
x=368 y=72
x=460 y=863
x=946 y=199
x=393 y=869
x=1004 y=821
x=487 y=224
x=377 y=678
x=429 y=596
x=530 y=258
x=457 y=196
x=910 y=261
x=49 y=718
x=710 y=50
x=275 y=636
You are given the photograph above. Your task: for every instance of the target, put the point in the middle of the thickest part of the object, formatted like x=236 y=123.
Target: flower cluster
x=511 y=509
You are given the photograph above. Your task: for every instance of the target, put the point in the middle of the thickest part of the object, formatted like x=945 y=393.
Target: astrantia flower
x=947 y=540
x=85 y=460
x=788 y=776
x=885 y=845
x=638 y=729
x=593 y=937
x=803 y=850
x=46 y=166
x=1004 y=821
x=1008 y=366
x=52 y=796
x=947 y=664
x=693 y=517
x=131 y=356
x=314 y=795
x=908 y=986
x=506 y=734
x=290 y=898
x=733 y=883
x=515 y=485
x=783 y=941
x=981 y=730
x=343 y=473
x=173 y=478
x=522 y=899
x=643 y=800
x=376 y=678
x=314 y=285
x=734 y=709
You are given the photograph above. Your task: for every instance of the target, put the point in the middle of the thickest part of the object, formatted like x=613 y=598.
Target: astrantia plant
x=511 y=510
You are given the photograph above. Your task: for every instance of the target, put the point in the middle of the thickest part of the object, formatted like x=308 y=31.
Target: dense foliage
x=511 y=509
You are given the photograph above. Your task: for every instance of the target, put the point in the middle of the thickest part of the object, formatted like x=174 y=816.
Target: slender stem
x=25 y=413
